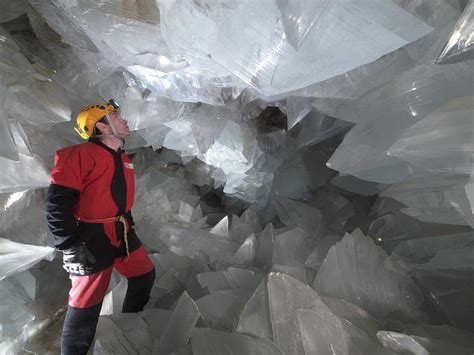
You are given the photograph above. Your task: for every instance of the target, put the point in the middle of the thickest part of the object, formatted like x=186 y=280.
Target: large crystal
x=410 y=97
x=209 y=341
x=437 y=199
x=16 y=257
x=446 y=150
x=355 y=270
x=461 y=43
x=28 y=172
x=180 y=326
x=262 y=57
x=221 y=309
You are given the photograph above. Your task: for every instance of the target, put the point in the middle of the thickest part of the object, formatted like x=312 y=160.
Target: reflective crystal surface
x=304 y=171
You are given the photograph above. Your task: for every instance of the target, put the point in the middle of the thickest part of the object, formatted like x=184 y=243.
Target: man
x=88 y=207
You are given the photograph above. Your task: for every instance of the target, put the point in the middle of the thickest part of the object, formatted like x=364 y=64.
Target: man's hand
x=76 y=258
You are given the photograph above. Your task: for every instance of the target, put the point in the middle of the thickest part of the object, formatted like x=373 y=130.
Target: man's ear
x=101 y=125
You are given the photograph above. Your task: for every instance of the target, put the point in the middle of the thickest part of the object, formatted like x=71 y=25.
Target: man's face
x=119 y=123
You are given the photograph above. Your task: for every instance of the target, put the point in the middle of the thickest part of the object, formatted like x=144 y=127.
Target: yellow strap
x=120 y=219
x=125 y=235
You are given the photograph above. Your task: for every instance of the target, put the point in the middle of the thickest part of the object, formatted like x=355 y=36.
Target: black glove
x=76 y=258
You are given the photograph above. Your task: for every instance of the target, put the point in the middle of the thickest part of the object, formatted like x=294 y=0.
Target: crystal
x=403 y=343
x=221 y=228
x=431 y=85
x=28 y=172
x=221 y=309
x=450 y=149
x=358 y=186
x=316 y=258
x=135 y=330
x=109 y=339
x=271 y=311
x=324 y=333
x=449 y=295
x=254 y=318
x=264 y=253
x=180 y=326
x=298 y=18
x=156 y=319
x=289 y=247
x=261 y=55
x=16 y=257
x=436 y=199
x=297 y=214
x=245 y=255
x=113 y=300
x=233 y=278
x=12 y=9
x=354 y=270
x=209 y=341
x=460 y=45
x=7 y=146
x=448 y=252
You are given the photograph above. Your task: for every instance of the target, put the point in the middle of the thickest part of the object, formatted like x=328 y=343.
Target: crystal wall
x=304 y=171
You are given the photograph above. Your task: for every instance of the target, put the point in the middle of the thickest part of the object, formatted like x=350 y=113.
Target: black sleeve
x=59 y=205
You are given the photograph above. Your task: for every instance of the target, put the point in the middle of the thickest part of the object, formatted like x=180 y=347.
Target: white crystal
x=16 y=257
x=180 y=326
x=460 y=45
x=354 y=271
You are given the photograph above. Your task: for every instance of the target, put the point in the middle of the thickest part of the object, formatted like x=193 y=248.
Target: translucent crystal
x=358 y=186
x=447 y=151
x=316 y=258
x=209 y=341
x=135 y=330
x=432 y=85
x=298 y=18
x=221 y=309
x=28 y=172
x=297 y=214
x=403 y=343
x=233 y=278
x=157 y=319
x=7 y=146
x=113 y=300
x=325 y=333
x=261 y=55
x=460 y=45
x=110 y=339
x=437 y=199
x=264 y=253
x=245 y=255
x=16 y=257
x=271 y=311
x=180 y=326
x=354 y=271
x=12 y=9
x=289 y=247
x=450 y=295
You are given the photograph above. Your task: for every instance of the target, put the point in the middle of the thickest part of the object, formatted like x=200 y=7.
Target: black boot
x=79 y=329
x=138 y=292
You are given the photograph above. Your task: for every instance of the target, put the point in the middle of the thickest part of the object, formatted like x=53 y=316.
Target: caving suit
x=89 y=203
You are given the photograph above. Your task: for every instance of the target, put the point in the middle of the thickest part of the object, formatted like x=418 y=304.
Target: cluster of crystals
x=304 y=171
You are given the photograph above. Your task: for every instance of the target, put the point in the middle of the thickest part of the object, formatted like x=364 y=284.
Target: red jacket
x=91 y=181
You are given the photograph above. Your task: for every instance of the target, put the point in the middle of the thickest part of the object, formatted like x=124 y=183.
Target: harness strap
x=120 y=219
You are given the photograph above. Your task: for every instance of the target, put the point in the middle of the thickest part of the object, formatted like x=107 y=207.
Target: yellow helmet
x=90 y=115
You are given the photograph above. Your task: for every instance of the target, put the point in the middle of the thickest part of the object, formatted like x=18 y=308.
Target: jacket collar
x=110 y=150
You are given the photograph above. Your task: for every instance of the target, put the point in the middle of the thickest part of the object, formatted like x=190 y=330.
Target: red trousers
x=89 y=290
